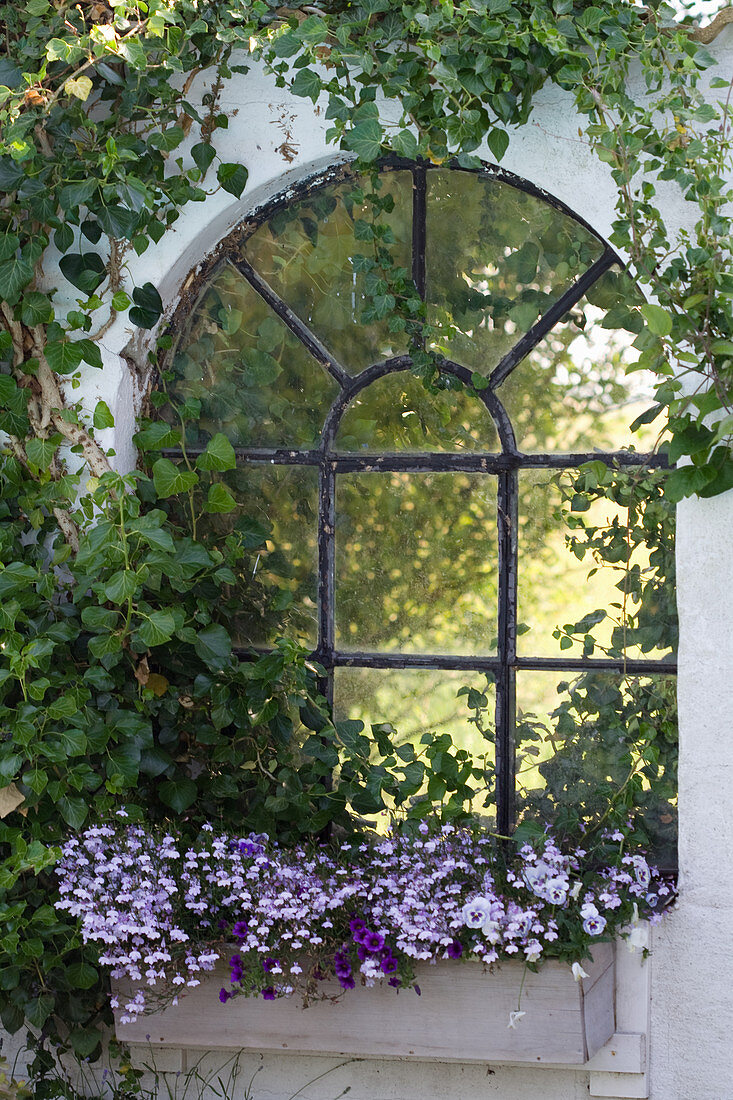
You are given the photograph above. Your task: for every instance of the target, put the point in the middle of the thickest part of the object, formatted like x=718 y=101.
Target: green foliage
x=119 y=680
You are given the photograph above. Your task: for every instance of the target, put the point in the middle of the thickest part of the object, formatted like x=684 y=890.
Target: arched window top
x=292 y=321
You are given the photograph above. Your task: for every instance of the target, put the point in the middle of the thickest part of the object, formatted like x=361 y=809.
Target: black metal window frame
x=505 y=465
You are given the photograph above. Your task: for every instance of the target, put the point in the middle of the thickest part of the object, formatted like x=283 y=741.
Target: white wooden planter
x=462 y=1015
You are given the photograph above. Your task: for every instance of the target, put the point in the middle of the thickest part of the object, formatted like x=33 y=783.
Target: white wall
x=691 y=1055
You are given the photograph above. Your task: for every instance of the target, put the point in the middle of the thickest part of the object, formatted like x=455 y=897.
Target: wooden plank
x=461 y=1015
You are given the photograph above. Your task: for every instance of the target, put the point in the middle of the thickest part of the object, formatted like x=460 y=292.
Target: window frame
x=506 y=465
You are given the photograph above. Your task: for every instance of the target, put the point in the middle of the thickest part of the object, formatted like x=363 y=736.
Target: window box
x=462 y=1015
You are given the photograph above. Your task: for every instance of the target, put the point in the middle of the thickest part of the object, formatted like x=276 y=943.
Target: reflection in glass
x=255 y=381
x=497 y=258
x=422 y=703
x=572 y=393
x=311 y=254
x=583 y=739
x=586 y=570
x=277 y=518
x=416 y=562
x=397 y=413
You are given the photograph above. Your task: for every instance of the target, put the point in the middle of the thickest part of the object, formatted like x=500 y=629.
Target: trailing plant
x=162 y=914
x=118 y=681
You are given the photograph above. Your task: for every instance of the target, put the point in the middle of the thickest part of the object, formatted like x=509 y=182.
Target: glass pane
x=572 y=392
x=416 y=562
x=276 y=521
x=595 y=572
x=314 y=254
x=397 y=413
x=582 y=739
x=254 y=379
x=497 y=258
x=426 y=703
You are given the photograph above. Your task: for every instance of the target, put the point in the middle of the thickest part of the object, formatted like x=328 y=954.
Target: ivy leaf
x=84 y=270
x=63 y=356
x=40 y=452
x=81 y=975
x=79 y=86
x=307 y=84
x=157 y=628
x=219 y=455
x=498 y=142
x=121 y=586
x=658 y=320
x=36 y=309
x=148 y=306
x=365 y=139
x=214 y=646
x=179 y=794
x=170 y=479
x=15 y=274
x=219 y=499
x=202 y=155
x=102 y=416
x=73 y=810
x=233 y=178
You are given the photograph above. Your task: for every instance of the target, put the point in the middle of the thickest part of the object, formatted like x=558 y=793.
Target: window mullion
x=326 y=569
x=507 y=510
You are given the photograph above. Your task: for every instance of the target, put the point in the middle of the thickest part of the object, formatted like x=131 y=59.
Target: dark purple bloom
x=240 y=929
x=224 y=996
x=346 y=981
x=361 y=952
x=418 y=990
x=236 y=968
x=373 y=941
x=357 y=924
x=246 y=848
x=395 y=982
x=269 y=993
x=223 y=925
x=454 y=950
x=360 y=935
x=388 y=964
x=270 y=964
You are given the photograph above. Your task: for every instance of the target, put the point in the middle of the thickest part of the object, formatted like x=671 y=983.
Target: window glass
x=254 y=379
x=416 y=562
x=589 y=584
x=277 y=514
x=317 y=254
x=397 y=413
x=497 y=258
x=581 y=739
x=572 y=392
x=422 y=703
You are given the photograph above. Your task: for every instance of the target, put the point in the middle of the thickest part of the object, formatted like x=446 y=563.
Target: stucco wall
x=691 y=988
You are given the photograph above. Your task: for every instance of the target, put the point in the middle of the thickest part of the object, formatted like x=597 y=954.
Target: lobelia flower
x=578 y=972
x=514 y=1018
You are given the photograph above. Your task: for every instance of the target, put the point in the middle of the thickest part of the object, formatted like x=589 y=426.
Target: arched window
x=431 y=546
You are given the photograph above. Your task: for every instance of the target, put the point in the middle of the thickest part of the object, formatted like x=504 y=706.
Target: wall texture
x=691 y=1002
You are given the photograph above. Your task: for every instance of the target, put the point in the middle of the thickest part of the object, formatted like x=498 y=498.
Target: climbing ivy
x=118 y=683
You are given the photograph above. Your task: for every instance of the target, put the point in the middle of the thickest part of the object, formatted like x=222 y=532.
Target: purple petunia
x=373 y=941
x=269 y=993
x=454 y=950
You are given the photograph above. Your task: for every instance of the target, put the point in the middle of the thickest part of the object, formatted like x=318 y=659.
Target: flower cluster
x=163 y=912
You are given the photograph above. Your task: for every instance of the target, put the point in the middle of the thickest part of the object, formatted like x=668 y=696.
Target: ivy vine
x=107 y=602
